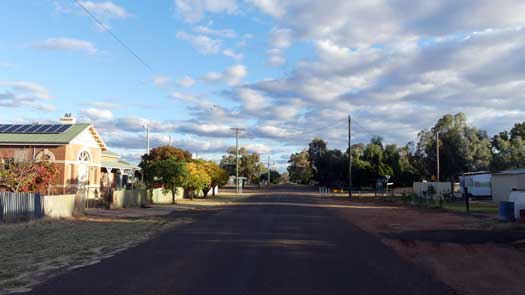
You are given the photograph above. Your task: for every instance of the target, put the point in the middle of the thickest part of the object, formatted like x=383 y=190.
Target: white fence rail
x=17 y=206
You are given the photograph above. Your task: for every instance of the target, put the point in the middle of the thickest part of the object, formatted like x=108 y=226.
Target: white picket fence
x=17 y=206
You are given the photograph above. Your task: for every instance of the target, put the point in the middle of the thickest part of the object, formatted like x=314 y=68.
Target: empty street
x=278 y=241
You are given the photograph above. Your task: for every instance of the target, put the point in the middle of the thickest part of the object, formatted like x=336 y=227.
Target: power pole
x=437 y=154
x=237 y=158
x=147 y=147
x=349 y=156
x=147 y=138
x=269 y=171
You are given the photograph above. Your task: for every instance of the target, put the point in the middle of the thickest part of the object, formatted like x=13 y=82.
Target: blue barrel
x=506 y=211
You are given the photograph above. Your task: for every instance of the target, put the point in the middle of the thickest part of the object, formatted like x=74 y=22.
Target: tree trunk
x=173 y=194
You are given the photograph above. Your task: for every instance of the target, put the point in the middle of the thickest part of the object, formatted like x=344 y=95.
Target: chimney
x=68 y=119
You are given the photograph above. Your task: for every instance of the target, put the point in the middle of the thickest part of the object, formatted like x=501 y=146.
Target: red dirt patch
x=481 y=269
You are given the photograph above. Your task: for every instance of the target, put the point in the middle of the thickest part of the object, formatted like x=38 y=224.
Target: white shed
x=504 y=182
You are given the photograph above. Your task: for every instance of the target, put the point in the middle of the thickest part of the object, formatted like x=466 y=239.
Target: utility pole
x=147 y=148
x=147 y=138
x=437 y=154
x=349 y=156
x=269 y=171
x=237 y=158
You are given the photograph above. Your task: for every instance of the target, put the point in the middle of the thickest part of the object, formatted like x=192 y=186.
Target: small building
x=478 y=184
x=76 y=149
x=431 y=189
x=504 y=182
x=116 y=173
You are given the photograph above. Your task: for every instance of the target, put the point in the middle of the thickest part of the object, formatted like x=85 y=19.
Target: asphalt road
x=271 y=244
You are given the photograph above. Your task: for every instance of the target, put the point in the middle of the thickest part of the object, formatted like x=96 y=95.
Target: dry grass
x=33 y=252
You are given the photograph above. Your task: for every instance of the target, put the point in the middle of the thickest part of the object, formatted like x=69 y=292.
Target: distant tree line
x=250 y=166
x=462 y=148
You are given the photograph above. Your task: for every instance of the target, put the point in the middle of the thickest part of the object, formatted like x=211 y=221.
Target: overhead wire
x=110 y=32
x=321 y=128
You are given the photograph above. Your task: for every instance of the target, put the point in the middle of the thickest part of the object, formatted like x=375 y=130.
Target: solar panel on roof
x=17 y=129
x=23 y=128
x=53 y=129
x=11 y=128
x=34 y=128
x=63 y=128
x=41 y=129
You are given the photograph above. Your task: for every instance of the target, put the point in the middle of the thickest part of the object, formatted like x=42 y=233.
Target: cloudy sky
x=285 y=70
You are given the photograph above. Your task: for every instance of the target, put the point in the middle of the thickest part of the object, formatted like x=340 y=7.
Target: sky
x=286 y=70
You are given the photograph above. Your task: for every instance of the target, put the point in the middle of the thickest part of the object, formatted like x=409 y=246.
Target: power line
x=321 y=128
x=367 y=131
x=108 y=30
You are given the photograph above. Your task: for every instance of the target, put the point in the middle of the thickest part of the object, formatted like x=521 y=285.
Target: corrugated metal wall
x=17 y=206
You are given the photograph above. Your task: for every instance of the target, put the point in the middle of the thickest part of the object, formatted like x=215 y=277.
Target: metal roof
x=512 y=172
x=110 y=154
x=50 y=138
x=476 y=173
x=119 y=165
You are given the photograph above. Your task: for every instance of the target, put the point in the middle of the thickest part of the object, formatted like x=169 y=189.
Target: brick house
x=76 y=148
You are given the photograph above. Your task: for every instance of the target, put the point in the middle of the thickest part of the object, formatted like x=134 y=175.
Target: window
x=83 y=168
x=45 y=155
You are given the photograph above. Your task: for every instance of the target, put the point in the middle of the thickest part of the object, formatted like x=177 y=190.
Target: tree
x=518 y=131
x=508 y=149
x=316 y=150
x=275 y=176
x=462 y=148
x=170 y=173
x=248 y=163
x=197 y=178
x=299 y=168
x=164 y=152
x=158 y=154
x=218 y=176
x=28 y=176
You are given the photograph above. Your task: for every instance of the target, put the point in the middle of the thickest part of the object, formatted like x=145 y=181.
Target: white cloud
x=252 y=100
x=275 y=57
x=203 y=44
x=66 y=44
x=161 y=81
x=259 y=148
x=230 y=53
x=18 y=94
x=205 y=129
x=224 y=33
x=106 y=9
x=231 y=76
x=275 y=8
x=104 y=105
x=185 y=82
x=96 y=114
x=281 y=38
x=194 y=10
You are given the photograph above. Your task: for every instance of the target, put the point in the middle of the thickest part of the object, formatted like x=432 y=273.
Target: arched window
x=45 y=155
x=83 y=157
x=83 y=168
